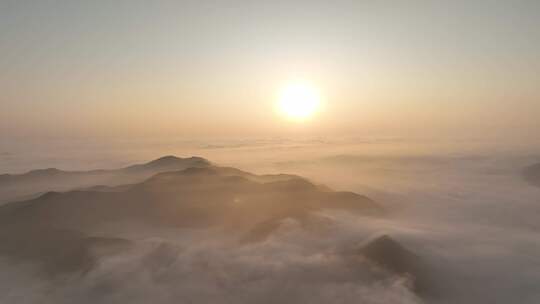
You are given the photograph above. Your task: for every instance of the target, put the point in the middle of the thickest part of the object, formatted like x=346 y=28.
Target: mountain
x=393 y=257
x=207 y=221
x=28 y=185
x=194 y=197
x=532 y=174
x=56 y=228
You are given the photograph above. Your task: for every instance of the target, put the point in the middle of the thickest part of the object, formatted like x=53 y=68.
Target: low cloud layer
x=292 y=266
x=473 y=216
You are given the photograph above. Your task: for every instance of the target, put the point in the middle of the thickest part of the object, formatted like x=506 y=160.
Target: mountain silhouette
x=192 y=197
x=62 y=233
x=57 y=229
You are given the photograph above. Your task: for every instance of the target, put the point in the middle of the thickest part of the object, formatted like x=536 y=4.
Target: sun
x=298 y=101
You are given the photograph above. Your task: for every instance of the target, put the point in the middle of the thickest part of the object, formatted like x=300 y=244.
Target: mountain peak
x=165 y=159
x=171 y=163
x=171 y=160
x=391 y=255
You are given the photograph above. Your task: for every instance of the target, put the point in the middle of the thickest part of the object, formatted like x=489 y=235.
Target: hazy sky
x=214 y=68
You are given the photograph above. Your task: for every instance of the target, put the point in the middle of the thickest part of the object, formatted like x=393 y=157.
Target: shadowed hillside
x=390 y=255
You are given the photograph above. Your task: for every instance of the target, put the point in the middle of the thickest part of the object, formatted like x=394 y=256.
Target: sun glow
x=299 y=101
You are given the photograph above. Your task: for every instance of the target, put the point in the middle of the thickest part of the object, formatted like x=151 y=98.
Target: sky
x=214 y=69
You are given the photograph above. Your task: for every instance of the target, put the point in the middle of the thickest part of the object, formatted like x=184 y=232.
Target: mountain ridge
x=34 y=182
x=66 y=233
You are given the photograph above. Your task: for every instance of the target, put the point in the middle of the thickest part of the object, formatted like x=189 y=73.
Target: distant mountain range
x=193 y=197
x=28 y=185
x=61 y=231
